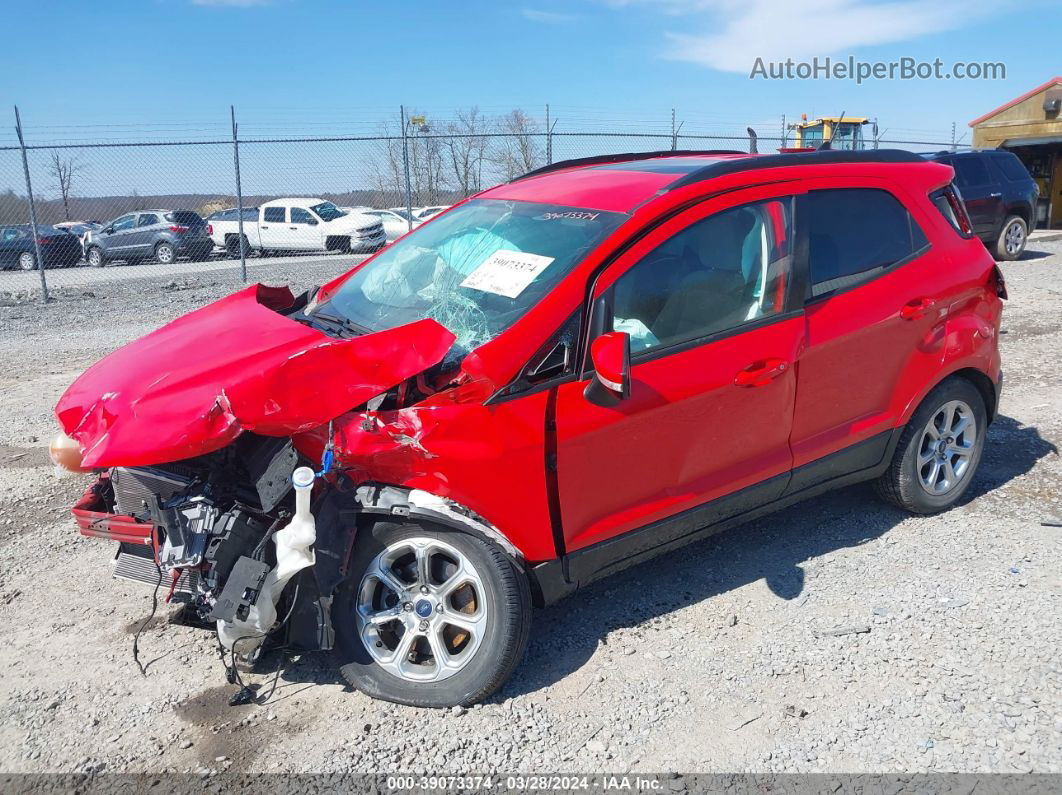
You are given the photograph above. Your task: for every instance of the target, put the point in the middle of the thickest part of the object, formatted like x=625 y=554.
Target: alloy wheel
x=26 y=261
x=164 y=254
x=1014 y=238
x=946 y=447
x=420 y=610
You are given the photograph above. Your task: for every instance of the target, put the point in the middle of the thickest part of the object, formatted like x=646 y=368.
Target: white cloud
x=549 y=17
x=736 y=32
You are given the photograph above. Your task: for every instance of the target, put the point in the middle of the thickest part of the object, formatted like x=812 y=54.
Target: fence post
x=239 y=196
x=405 y=165
x=32 y=207
x=549 y=139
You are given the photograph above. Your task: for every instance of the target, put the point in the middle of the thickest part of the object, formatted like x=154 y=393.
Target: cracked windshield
x=475 y=269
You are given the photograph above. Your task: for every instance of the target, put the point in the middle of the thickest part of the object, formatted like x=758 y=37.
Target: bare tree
x=467 y=147
x=65 y=171
x=520 y=150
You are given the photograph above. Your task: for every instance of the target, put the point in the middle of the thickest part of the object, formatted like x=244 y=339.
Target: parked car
x=1000 y=198
x=81 y=229
x=424 y=213
x=162 y=235
x=395 y=222
x=297 y=224
x=59 y=248
x=223 y=227
x=524 y=396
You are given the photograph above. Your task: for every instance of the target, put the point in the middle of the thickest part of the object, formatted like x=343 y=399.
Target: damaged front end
x=234 y=452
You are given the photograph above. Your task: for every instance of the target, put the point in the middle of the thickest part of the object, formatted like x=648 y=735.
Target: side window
x=147 y=219
x=10 y=234
x=972 y=172
x=273 y=214
x=718 y=273
x=854 y=233
x=125 y=222
x=301 y=216
x=1012 y=168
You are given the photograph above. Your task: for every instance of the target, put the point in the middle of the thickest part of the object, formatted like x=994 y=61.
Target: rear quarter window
x=184 y=217
x=854 y=234
x=1012 y=168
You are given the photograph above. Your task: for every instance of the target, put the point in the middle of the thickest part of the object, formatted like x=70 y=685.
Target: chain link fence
x=73 y=202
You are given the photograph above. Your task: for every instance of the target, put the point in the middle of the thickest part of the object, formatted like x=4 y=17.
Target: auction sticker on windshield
x=507 y=272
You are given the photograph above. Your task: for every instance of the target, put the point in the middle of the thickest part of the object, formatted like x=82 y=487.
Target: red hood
x=236 y=365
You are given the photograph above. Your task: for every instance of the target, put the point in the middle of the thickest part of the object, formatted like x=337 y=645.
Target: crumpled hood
x=194 y=385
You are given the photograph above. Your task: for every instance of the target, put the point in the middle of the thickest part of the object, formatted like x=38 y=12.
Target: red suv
x=564 y=375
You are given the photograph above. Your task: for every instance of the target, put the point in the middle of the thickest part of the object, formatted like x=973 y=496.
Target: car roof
x=621 y=183
x=292 y=202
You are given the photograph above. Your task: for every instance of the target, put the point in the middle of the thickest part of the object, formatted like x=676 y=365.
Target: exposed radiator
x=137 y=564
x=134 y=489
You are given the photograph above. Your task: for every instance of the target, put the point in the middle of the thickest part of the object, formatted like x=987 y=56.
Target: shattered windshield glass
x=475 y=270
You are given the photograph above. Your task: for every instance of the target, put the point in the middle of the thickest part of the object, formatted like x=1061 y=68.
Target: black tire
x=165 y=254
x=27 y=261
x=1013 y=236
x=902 y=482
x=507 y=622
x=232 y=246
x=94 y=257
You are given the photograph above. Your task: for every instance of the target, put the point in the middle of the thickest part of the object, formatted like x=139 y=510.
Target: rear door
x=982 y=194
x=141 y=241
x=273 y=228
x=8 y=245
x=877 y=300
x=704 y=300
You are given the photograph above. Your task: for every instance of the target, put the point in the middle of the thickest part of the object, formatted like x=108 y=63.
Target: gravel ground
x=839 y=635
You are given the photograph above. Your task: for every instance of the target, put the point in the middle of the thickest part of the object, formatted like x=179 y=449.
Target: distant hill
x=14 y=209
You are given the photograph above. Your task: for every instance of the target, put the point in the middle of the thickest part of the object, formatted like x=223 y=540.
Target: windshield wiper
x=339 y=323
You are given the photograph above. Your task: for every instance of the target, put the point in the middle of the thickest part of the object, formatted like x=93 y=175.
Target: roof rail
x=818 y=157
x=624 y=158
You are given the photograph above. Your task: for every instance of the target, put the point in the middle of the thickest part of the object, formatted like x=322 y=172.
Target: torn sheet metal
x=194 y=385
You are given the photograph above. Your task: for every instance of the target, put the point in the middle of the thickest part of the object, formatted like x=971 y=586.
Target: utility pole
x=783 y=132
x=674 y=132
x=239 y=195
x=953 y=146
x=32 y=207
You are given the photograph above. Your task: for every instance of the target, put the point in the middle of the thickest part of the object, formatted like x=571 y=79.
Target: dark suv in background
x=162 y=235
x=1000 y=198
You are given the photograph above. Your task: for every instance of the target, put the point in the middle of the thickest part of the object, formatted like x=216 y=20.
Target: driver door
x=704 y=432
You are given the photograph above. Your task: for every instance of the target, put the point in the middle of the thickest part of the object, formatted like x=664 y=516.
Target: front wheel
x=939 y=450
x=1012 y=239
x=94 y=257
x=430 y=617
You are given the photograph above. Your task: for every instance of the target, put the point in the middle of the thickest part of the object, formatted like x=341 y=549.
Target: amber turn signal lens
x=66 y=453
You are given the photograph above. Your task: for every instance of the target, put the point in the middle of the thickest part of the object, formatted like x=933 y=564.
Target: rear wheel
x=27 y=261
x=939 y=450
x=165 y=254
x=430 y=617
x=1012 y=239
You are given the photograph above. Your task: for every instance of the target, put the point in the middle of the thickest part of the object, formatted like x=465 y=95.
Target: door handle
x=917 y=308
x=994 y=195
x=761 y=373
x=293 y=228
x=263 y=227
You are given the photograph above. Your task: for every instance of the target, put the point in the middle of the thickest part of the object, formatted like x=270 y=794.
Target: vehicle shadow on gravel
x=773 y=548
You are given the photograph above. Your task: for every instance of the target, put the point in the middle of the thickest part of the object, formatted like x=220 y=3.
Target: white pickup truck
x=298 y=225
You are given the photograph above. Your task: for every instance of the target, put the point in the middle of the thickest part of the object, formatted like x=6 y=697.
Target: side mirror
x=108 y=230
x=312 y=222
x=611 y=357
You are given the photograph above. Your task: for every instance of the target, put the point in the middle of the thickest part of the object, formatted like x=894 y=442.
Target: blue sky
x=584 y=55
x=170 y=68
